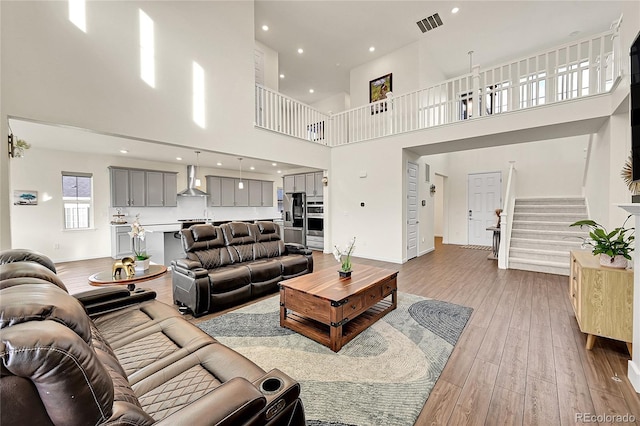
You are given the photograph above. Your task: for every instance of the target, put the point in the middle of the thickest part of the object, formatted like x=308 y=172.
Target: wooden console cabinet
x=602 y=299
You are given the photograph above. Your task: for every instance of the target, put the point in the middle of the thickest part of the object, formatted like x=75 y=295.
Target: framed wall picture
x=25 y=198
x=378 y=89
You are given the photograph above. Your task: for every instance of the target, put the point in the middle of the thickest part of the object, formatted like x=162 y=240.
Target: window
x=533 y=90
x=497 y=98
x=77 y=199
x=198 y=95
x=77 y=14
x=147 y=50
x=568 y=84
x=315 y=131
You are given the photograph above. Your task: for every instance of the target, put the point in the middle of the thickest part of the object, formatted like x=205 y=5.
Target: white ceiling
x=64 y=138
x=336 y=35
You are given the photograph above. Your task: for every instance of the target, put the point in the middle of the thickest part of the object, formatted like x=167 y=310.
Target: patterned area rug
x=382 y=377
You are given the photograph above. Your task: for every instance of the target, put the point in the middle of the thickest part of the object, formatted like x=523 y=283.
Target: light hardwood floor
x=521 y=359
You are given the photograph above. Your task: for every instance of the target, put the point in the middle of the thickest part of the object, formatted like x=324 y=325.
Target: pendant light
x=240 y=184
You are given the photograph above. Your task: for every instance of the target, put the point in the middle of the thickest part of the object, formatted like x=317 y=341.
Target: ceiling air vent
x=429 y=23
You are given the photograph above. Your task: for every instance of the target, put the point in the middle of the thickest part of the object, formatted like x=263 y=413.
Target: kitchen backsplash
x=194 y=208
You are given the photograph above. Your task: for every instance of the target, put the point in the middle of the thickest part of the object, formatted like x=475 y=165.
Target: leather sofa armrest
x=192 y=273
x=106 y=299
x=186 y=264
x=295 y=248
x=235 y=402
x=101 y=294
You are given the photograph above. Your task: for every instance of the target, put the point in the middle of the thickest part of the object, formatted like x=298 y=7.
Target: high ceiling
x=336 y=35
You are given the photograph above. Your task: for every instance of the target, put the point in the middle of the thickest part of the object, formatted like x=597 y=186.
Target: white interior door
x=485 y=196
x=412 y=210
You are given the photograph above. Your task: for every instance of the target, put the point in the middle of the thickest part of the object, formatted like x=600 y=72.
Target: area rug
x=382 y=377
x=477 y=247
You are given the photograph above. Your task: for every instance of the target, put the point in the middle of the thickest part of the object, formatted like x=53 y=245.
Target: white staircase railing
x=506 y=218
x=574 y=70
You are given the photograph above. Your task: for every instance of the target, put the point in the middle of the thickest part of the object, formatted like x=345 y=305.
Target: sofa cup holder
x=271 y=385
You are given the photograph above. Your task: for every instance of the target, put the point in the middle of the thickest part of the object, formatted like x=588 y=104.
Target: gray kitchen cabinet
x=155 y=189
x=289 y=183
x=241 y=195
x=314 y=185
x=170 y=189
x=162 y=189
x=121 y=241
x=214 y=189
x=128 y=188
x=300 y=183
x=255 y=193
x=227 y=192
x=267 y=193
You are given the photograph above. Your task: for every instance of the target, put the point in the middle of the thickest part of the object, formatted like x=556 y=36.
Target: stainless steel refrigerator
x=294 y=218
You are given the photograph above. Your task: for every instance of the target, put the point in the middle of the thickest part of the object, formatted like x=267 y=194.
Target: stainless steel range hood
x=191 y=190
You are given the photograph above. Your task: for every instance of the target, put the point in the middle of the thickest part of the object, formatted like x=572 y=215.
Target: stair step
x=557 y=268
x=539 y=254
x=551 y=208
x=551 y=200
x=547 y=217
x=548 y=235
x=542 y=225
x=559 y=245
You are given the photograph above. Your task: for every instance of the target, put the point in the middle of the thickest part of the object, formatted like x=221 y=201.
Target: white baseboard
x=634 y=375
x=423 y=252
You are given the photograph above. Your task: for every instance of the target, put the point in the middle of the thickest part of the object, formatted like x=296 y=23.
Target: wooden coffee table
x=106 y=277
x=333 y=310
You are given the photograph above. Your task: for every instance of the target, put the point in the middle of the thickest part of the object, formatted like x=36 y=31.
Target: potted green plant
x=344 y=257
x=138 y=233
x=613 y=247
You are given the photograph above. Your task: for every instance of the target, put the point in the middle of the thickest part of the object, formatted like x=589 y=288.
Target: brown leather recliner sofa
x=140 y=363
x=229 y=264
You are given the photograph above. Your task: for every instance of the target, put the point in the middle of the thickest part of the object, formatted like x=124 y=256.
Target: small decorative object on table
x=498 y=213
x=613 y=247
x=126 y=265
x=344 y=257
x=137 y=233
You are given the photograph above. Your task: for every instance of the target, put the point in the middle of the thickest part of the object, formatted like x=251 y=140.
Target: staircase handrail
x=506 y=218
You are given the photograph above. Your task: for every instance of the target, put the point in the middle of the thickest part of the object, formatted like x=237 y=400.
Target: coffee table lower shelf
x=322 y=333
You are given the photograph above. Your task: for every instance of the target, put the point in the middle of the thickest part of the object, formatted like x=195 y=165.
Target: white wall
x=333 y=104
x=378 y=225
x=438 y=218
x=403 y=64
x=271 y=67
x=596 y=187
x=41 y=227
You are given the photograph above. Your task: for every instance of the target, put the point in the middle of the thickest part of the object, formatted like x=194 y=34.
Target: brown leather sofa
x=140 y=363
x=232 y=263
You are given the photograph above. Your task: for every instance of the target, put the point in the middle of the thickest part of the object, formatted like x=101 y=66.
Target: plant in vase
x=613 y=247
x=344 y=257
x=138 y=233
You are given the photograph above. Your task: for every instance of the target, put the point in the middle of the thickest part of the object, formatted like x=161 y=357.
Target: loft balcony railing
x=574 y=70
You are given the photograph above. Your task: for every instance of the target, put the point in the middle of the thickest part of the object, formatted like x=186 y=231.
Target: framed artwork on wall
x=378 y=89
x=25 y=198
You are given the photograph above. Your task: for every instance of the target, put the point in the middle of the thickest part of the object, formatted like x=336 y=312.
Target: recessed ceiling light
x=281 y=75
x=124 y=151
x=279 y=171
x=179 y=158
x=274 y=164
x=218 y=164
x=300 y=51
x=455 y=10
x=265 y=28
x=311 y=90
x=372 y=49
x=252 y=168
